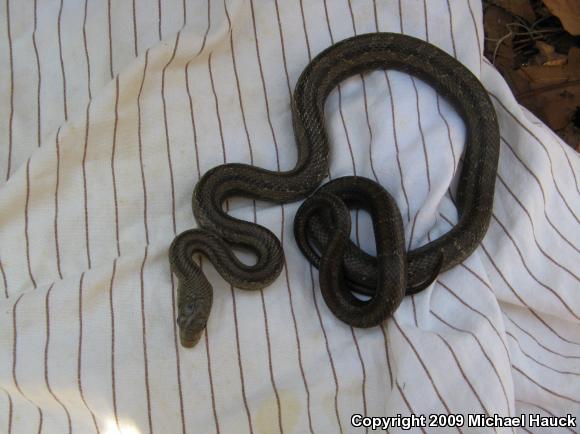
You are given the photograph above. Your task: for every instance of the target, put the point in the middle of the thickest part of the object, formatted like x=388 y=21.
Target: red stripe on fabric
x=144 y=340
x=240 y=367
x=62 y=70
x=80 y=355
x=542 y=146
x=135 y=38
x=479 y=49
x=353 y=163
x=172 y=183
x=451 y=31
x=282 y=208
x=456 y=360
x=140 y=146
x=56 y=240
x=515 y=198
x=159 y=19
x=212 y=394
x=26 y=217
x=542 y=192
x=85 y=193
x=529 y=270
x=422 y=134
x=422 y=363
x=46 y=347
x=11 y=115
x=113 y=175
x=10 y=410
x=38 y=77
x=250 y=148
x=110 y=39
x=481 y=314
x=86 y=49
x=195 y=145
x=532 y=337
x=166 y=127
x=545 y=410
x=512 y=289
x=4 y=280
x=529 y=356
x=15 y=362
x=544 y=388
x=232 y=292
x=397 y=151
x=384 y=326
x=520 y=298
x=330 y=358
x=474 y=336
x=408 y=404
x=113 y=360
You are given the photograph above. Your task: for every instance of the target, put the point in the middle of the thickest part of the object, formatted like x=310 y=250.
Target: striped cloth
x=109 y=113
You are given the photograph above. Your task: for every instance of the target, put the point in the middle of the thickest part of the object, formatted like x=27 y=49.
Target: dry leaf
x=554 y=103
x=540 y=76
x=546 y=49
x=571 y=135
x=556 y=62
x=558 y=108
x=520 y=8
x=549 y=84
x=568 y=11
x=547 y=55
x=574 y=59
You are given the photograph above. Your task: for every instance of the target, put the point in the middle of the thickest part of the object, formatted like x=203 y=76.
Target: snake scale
x=322 y=224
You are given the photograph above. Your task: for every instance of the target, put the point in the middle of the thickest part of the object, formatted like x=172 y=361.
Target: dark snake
x=322 y=224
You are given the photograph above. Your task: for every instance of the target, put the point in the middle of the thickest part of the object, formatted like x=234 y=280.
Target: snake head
x=191 y=326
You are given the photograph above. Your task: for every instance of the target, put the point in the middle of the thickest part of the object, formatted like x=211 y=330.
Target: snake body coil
x=219 y=231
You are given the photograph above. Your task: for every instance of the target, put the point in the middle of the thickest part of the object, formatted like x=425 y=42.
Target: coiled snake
x=322 y=225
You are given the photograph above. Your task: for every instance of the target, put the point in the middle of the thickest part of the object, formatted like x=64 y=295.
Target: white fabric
x=109 y=112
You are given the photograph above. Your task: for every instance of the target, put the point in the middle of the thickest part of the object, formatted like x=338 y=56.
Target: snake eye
x=188 y=308
x=185 y=313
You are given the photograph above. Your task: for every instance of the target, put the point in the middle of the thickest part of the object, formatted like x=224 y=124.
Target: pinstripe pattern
x=110 y=38
x=113 y=361
x=80 y=356
x=144 y=337
x=101 y=169
x=9 y=421
x=408 y=405
x=46 y=359
x=87 y=129
x=56 y=205
x=11 y=90
x=26 y=223
x=4 y=281
x=113 y=173
x=38 y=77
x=15 y=364
x=483 y=352
x=62 y=69
x=240 y=362
x=251 y=152
x=170 y=164
x=542 y=409
x=198 y=171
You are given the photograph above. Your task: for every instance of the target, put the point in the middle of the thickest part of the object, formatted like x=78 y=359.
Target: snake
x=322 y=226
